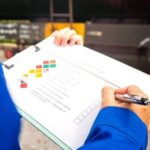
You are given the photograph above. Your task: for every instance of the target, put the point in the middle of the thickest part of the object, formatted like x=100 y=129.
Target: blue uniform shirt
x=9 y=119
x=116 y=129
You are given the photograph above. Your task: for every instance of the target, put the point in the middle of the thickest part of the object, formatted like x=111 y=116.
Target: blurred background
x=117 y=28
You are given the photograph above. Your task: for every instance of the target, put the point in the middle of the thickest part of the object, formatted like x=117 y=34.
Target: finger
x=131 y=90
x=121 y=90
x=62 y=35
x=76 y=39
x=65 y=30
x=67 y=37
x=55 y=34
x=59 y=34
x=107 y=96
x=134 y=90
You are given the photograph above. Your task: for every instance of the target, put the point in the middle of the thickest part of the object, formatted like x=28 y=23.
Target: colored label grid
x=37 y=72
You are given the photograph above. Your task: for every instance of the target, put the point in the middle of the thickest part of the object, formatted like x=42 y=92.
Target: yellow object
x=38 y=70
x=25 y=75
x=78 y=27
x=32 y=71
x=38 y=75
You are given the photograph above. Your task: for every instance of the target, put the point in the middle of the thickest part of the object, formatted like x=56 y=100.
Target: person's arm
x=9 y=118
x=119 y=125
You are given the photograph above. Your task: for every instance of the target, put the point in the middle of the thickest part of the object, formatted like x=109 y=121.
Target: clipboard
x=67 y=97
x=9 y=65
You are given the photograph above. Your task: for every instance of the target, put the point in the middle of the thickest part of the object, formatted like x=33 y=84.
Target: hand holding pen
x=132 y=94
x=124 y=98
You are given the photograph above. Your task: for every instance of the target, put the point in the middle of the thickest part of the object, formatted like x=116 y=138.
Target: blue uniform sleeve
x=9 y=118
x=116 y=129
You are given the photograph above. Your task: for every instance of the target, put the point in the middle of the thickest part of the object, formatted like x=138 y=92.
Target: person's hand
x=108 y=99
x=67 y=36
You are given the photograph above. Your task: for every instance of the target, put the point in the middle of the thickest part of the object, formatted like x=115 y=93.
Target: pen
x=132 y=99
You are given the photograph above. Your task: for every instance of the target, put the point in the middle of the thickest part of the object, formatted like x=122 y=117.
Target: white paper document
x=60 y=87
